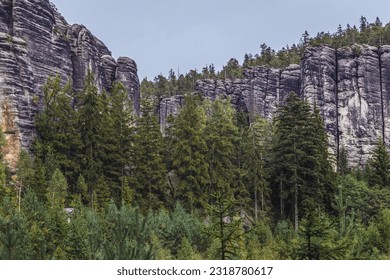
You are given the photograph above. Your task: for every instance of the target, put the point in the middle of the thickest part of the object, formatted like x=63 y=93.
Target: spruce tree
x=118 y=138
x=91 y=132
x=225 y=225
x=379 y=166
x=149 y=169
x=189 y=151
x=128 y=236
x=300 y=169
x=257 y=144
x=14 y=244
x=57 y=128
x=57 y=190
x=220 y=135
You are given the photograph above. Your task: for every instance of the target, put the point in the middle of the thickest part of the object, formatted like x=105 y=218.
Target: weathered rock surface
x=259 y=93
x=170 y=106
x=350 y=86
x=36 y=42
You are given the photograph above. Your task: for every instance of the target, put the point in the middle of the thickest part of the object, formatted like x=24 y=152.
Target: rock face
x=350 y=86
x=36 y=42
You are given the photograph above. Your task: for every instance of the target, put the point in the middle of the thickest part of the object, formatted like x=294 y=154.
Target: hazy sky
x=178 y=34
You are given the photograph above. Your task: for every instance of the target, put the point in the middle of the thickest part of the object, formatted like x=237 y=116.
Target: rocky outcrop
x=36 y=42
x=350 y=86
x=169 y=106
x=259 y=93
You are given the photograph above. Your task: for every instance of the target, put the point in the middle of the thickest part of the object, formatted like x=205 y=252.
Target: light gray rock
x=36 y=42
x=359 y=101
x=385 y=79
x=350 y=86
x=169 y=106
x=126 y=73
x=318 y=87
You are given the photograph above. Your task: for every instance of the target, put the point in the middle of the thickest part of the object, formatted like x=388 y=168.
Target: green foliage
x=148 y=167
x=257 y=146
x=379 y=166
x=94 y=234
x=57 y=128
x=172 y=228
x=186 y=252
x=128 y=236
x=57 y=189
x=225 y=226
x=220 y=135
x=75 y=243
x=342 y=163
x=118 y=138
x=13 y=242
x=215 y=186
x=189 y=151
x=300 y=166
x=366 y=201
x=91 y=132
x=377 y=237
x=318 y=237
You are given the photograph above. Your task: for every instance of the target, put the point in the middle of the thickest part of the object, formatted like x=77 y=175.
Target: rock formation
x=36 y=42
x=350 y=86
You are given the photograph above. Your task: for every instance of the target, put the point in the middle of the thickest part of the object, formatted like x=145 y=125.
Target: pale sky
x=177 y=34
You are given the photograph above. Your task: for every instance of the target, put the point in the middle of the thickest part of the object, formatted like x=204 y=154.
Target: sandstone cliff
x=350 y=85
x=36 y=42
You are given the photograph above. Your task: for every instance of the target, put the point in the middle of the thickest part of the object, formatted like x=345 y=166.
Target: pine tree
x=94 y=234
x=118 y=138
x=82 y=190
x=57 y=190
x=379 y=165
x=13 y=232
x=319 y=240
x=256 y=153
x=220 y=135
x=57 y=128
x=128 y=236
x=91 y=131
x=342 y=164
x=149 y=169
x=301 y=169
x=75 y=243
x=225 y=224
x=189 y=151
x=34 y=211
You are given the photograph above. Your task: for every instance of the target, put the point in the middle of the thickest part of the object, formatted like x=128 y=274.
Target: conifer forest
x=101 y=182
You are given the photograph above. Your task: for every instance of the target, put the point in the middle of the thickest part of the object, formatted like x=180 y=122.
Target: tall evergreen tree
x=226 y=225
x=14 y=244
x=57 y=130
x=57 y=190
x=220 y=135
x=379 y=166
x=149 y=170
x=189 y=151
x=117 y=143
x=128 y=235
x=91 y=131
x=257 y=145
x=301 y=169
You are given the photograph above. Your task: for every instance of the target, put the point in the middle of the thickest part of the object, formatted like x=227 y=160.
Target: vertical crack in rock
x=381 y=89
x=336 y=93
x=385 y=84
